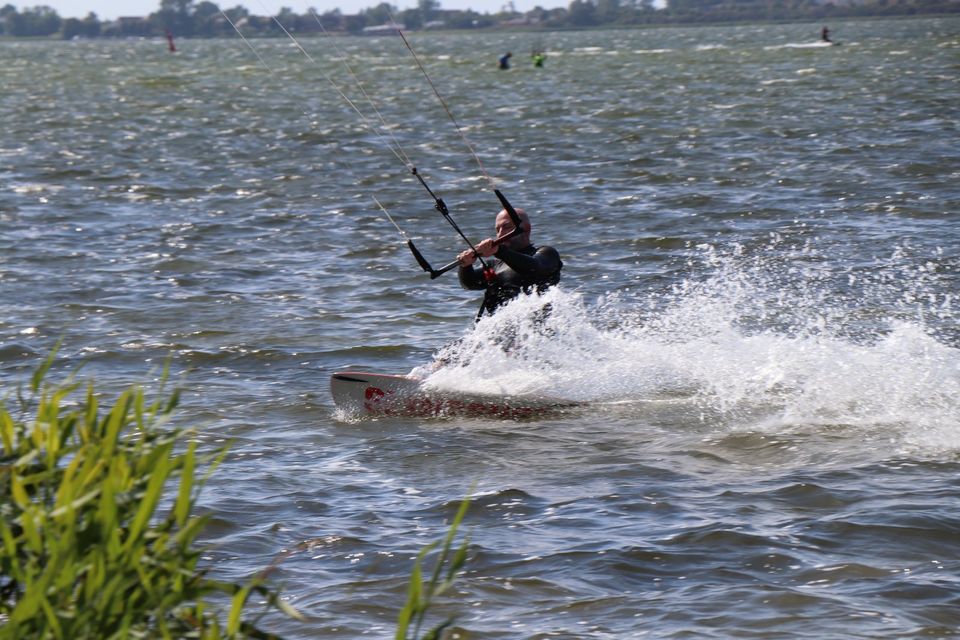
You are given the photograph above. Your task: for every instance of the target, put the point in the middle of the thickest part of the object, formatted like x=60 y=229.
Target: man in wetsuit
x=518 y=266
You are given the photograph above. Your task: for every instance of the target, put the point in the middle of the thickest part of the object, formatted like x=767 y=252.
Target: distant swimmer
x=539 y=59
x=825 y=34
x=505 y=60
x=172 y=47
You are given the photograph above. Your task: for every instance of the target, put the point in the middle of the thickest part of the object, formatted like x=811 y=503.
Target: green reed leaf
x=185 y=497
x=42 y=370
x=239 y=600
x=18 y=491
x=51 y=617
x=151 y=497
x=8 y=433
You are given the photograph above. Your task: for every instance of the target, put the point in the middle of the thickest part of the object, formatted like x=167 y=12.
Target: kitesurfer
x=538 y=59
x=825 y=34
x=505 y=60
x=518 y=266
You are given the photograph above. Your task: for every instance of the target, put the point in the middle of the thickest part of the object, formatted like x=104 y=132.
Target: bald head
x=504 y=225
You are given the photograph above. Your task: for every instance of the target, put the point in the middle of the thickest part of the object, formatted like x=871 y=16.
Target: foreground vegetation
x=86 y=550
x=185 y=18
x=95 y=542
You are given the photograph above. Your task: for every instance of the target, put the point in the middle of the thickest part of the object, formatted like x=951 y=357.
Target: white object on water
x=374 y=394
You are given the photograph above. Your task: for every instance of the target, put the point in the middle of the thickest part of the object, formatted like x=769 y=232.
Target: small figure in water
x=505 y=60
x=825 y=34
x=539 y=58
x=170 y=45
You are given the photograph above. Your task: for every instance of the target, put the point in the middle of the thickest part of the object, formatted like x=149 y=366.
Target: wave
x=777 y=341
x=819 y=44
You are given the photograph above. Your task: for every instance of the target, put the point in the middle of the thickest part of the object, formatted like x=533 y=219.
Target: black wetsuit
x=517 y=271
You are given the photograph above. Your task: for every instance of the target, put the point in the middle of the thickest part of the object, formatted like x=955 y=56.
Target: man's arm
x=471 y=277
x=542 y=263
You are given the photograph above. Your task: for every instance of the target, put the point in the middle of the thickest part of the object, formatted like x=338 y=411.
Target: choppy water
x=759 y=306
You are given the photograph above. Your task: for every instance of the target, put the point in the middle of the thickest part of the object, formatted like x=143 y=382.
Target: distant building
x=128 y=26
x=130 y=22
x=522 y=21
x=380 y=29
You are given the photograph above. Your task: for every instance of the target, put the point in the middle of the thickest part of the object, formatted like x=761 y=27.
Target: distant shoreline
x=606 y=27
x=43 y=23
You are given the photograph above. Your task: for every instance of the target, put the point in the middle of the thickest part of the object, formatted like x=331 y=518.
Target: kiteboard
x=358 y=393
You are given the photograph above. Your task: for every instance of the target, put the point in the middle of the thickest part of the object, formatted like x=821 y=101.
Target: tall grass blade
x=7 y=432
x=184 y=499
x=42 y=370
x=419 y=599
x=239 y=600
x=148 y=502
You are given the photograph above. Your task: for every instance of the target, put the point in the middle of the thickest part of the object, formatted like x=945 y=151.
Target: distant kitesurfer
x=538 y=59
x=518 y=266
x=825 y=34
x=505 y=60
x=170 y=45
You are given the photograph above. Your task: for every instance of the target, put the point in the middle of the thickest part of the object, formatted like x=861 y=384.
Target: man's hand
x=485 y=249
x=466 y=258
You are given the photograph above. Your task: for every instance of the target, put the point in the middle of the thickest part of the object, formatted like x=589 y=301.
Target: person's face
x=504 y=225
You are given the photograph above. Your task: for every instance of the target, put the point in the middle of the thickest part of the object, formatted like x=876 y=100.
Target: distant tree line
x=187 y=18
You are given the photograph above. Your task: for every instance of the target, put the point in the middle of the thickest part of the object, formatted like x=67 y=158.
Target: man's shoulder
x=549 y=258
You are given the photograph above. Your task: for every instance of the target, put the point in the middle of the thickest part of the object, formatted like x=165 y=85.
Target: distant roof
x=384 y=28
x=518 y=22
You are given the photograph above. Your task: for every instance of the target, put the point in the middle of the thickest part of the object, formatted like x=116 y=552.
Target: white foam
x=800 y=45
x=761 y=343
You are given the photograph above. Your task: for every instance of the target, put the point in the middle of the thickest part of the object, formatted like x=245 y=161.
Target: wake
x=779 y=341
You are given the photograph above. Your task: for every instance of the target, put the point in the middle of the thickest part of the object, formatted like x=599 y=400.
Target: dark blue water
x=758 y=312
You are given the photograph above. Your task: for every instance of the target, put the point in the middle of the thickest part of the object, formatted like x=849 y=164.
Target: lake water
x=759 y=311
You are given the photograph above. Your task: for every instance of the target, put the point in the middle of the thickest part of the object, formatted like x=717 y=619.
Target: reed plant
x=420 y=595
x=98 y=536
x=91 y=544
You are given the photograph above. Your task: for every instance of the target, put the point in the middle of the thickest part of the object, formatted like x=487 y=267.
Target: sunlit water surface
x=758 y=313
